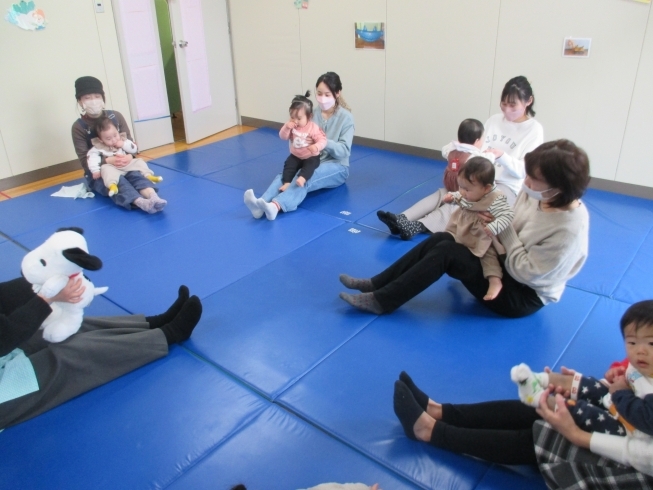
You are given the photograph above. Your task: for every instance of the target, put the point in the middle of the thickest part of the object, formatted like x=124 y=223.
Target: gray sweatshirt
x=339 y=130
x=544 y=250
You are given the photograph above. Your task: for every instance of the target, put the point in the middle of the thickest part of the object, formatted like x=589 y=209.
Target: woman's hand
x=313 y=149
x=562 y=421
x=619 y=383
x=71 y=293
x=121 y=161
x=284 y=187
x=559 y=390
x=486 y=217
x=495 y=152
x=613 y=373
x=96 y=175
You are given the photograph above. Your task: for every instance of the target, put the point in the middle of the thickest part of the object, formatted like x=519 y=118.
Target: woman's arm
x=514 y=164
x=561 y=420
x=341 y=147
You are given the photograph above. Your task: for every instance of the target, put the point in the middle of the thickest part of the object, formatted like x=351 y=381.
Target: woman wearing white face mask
x=335 y=119
x=546 y=245
x=133 y=188
x=508 y=135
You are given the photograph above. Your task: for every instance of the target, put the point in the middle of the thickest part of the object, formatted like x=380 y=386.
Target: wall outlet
x=99 y=6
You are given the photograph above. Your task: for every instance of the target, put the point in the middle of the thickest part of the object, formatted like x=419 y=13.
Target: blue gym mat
x=283 y=385
x=295 y=455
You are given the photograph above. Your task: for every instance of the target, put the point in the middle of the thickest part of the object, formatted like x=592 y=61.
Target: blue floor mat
x=442 y=338
x=374 y=181
x=636 y=285
x=598 y=343
x=278 y=337
x=141 y=431
x=619 y=226
x=205 y=256
x=280 y=451
x=110 y=231
x=11 y=256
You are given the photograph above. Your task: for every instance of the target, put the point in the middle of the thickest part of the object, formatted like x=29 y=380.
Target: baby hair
x=469 y=131
x=302 y=102
x=479 y=170
x=102 y=124
x=639 y=314
x=519 y=88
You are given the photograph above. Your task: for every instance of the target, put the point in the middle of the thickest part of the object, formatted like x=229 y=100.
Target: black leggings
x=440 y=254
x=499 y=431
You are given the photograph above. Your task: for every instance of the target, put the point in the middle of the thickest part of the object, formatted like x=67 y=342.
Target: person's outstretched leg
x=157 y=321
x=503 y=445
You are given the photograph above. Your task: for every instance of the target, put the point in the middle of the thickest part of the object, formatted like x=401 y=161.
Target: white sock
x=269 y=208
x=530 y=385
x=250 y=202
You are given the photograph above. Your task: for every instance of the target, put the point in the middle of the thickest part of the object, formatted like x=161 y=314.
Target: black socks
x=421 y=398
x=183 y=324
x=157 y=321
x=406 y=409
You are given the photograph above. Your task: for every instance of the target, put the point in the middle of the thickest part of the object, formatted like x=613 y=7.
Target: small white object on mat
x=74 y=191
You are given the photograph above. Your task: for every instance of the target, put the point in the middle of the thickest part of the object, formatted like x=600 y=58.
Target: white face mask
x=93 y=107
x=326 y=103
x=537 y=195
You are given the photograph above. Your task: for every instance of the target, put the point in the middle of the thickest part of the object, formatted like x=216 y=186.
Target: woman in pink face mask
x=335 y=119
x=508 y=135
x=511 y=134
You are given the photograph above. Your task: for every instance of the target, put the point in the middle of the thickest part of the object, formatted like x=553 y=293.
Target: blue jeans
x=326 y=176
x=128 y=187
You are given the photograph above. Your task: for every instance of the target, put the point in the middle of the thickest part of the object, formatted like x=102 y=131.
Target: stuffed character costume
x=49 y=267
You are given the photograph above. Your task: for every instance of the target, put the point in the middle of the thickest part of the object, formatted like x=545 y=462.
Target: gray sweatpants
x=102 y=350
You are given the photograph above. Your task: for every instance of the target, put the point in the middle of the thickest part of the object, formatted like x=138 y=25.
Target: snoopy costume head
x=64 y=253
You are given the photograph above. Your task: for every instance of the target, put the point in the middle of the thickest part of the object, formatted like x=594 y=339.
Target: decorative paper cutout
x=370 y=35
x=576 y=47
x=301 y=4
x=26 y=16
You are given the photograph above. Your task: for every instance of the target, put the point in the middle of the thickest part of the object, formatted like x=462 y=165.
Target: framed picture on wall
x=576 y=47
x=369 y=35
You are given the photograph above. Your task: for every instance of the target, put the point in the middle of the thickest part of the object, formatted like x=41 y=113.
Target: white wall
x=37 y=93
x=635 y=161
x=449 y=59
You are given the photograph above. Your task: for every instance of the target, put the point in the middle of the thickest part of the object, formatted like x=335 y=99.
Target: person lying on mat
x=134 y=190
x=335 y=120
x=36 y=376
x=546 y=245
x=509 y=135
x=583 y=445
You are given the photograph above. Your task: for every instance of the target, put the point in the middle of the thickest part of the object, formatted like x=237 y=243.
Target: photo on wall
x=576 y=47
x=369 y=35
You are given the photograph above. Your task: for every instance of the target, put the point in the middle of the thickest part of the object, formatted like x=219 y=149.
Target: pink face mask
x=513 y=115
x=325 y=103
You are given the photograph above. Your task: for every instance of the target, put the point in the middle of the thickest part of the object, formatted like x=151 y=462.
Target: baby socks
x=363 y=301
x=113 y=190
x=250 y=202
x=154 y=178
x=530 y=385
x=363 y=285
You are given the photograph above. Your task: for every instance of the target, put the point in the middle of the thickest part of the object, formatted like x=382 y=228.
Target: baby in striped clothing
x=477 y=193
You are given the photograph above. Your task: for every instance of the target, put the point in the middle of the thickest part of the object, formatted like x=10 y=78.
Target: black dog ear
x=83 y=259
x=72 y=228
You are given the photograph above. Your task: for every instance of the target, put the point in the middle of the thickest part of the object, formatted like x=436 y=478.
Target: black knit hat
x=88 y=85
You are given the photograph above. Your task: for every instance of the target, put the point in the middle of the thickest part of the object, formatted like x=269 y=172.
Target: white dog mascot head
x=49 y=267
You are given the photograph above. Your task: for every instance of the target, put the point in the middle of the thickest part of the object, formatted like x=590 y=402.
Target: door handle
x=183 y=44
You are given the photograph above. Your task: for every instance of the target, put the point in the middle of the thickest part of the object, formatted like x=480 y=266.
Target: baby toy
x=48 y=268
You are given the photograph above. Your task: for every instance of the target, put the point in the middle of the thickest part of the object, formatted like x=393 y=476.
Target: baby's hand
x=291 y=125
x=301 y=180
x=313 y=149
x=488 y=232
x=120 y=144
x=448 y=197
x=619 y=383
x=96 y=175
x=284 y=187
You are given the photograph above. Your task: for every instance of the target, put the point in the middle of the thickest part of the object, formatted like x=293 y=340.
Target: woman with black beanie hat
x=134 y=190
